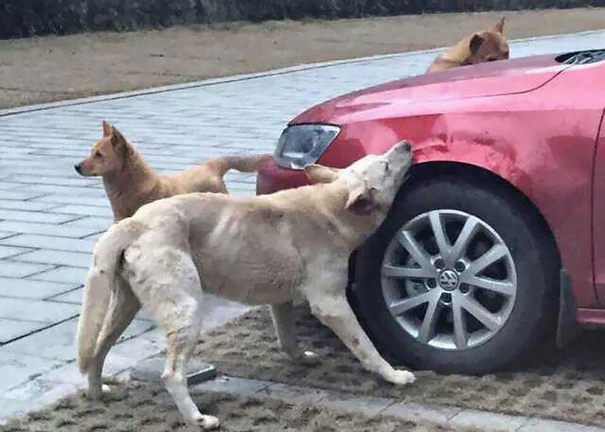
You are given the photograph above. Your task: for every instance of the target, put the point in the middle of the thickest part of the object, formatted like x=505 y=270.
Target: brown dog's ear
x=320 y=174
x=106 y=129
x=117 y=139
x=499 y=27
x=361 y=200
x=475 y=43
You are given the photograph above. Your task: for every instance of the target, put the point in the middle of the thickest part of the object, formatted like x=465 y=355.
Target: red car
x=493 y=243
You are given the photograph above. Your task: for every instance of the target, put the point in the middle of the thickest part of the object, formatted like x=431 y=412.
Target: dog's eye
x=98 y=154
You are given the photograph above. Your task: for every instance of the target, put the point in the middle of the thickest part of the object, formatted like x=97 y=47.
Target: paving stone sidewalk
x=50 y=217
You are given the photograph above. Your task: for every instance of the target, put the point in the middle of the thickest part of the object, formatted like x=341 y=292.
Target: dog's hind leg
x=181 y=342
x=123 y=307
x=171 y=291
x=285 y=327
x=333 y=310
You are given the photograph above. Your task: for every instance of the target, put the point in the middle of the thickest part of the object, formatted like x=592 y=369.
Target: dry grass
x=138 y=408
x=565 y=385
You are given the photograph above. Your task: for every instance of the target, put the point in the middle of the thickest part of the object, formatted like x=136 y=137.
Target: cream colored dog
x=261 y=250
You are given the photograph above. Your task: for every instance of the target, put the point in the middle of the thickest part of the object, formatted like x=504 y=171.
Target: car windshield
x=583 y=57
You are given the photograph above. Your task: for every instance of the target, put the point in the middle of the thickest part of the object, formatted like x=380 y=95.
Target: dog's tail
x=222 y=164
x=100 y=283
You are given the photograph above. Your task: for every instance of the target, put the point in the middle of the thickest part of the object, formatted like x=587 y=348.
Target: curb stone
x=372 y=406
x=542 y=425
x=493 y=421
x=415 y=411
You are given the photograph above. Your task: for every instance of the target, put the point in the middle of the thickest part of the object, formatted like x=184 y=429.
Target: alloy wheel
x=449 y=279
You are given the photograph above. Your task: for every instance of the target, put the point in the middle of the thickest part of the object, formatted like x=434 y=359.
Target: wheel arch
x=478 y=174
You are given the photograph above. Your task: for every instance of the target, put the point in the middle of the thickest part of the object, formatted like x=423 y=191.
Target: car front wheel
x=459 y=278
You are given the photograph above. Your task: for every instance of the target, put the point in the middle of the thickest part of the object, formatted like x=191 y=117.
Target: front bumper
x=272 y=178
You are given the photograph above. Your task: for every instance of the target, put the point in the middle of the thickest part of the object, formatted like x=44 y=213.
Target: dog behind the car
x=481 y=47
x=262 y=250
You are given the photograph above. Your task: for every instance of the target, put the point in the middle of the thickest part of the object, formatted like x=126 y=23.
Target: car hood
x=487 y=79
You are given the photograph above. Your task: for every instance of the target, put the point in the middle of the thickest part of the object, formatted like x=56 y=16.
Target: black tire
x=533 y=252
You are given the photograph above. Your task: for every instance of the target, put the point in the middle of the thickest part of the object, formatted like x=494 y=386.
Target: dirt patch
x=566 y=385
x=139 y=408
x=53 y=68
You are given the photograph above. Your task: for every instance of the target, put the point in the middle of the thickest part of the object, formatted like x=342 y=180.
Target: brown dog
x=130 y=182
x=485 y=46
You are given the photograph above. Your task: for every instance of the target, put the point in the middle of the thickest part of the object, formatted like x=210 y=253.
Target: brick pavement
x=50 y=217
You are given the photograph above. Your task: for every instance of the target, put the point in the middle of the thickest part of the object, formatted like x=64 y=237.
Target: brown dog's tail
x=223 y=164
x=100 y=283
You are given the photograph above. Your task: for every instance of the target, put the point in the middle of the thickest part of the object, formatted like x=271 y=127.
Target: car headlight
x=300 y=145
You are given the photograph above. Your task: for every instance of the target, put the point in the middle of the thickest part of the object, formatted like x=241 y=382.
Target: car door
x=598 y=221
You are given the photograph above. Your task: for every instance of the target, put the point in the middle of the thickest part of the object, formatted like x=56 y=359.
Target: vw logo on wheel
x=448 y=280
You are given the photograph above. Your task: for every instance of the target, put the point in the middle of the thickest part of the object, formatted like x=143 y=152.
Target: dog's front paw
x=307 y=358
x=401 y=377
x=207 y=422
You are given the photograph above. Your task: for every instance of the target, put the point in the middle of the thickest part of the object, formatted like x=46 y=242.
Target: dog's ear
x=475 y=43
x=117 y=139
x=499 y=27
x=362 y=200
x=106 y=129
x=320 y=174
